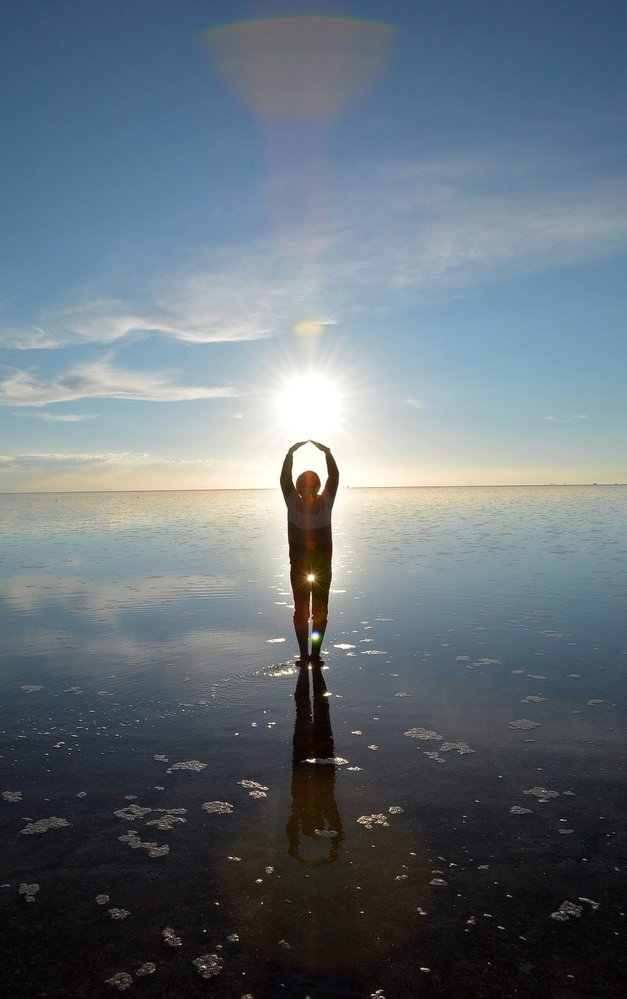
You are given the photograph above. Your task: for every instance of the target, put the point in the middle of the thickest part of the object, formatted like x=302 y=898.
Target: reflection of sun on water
x=309 y=406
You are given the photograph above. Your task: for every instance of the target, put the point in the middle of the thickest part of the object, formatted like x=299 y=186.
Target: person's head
x=308 y=485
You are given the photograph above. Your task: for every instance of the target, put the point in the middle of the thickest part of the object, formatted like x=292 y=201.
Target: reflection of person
x=310 y=545
x=314 y=813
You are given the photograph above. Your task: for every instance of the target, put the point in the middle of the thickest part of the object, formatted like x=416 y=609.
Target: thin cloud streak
x=566 y=419
x=100 y=379
x=37 y=461
x=58 y=417
x=86 y=470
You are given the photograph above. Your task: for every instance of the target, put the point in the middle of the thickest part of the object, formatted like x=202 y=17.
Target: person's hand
x=295 y=447
x=321 y=447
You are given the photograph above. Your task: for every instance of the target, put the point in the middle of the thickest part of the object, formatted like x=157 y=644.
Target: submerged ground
x=440 y=811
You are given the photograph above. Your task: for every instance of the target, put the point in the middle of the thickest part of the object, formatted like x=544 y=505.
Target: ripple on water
x=276 y=670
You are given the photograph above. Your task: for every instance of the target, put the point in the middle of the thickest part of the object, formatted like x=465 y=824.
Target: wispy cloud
x=397 y=230
x=416 y=403
x=442 y=231
x=241 y=294
x=100 y=379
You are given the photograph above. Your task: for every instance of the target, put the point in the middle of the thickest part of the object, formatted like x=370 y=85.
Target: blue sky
x=399 y=228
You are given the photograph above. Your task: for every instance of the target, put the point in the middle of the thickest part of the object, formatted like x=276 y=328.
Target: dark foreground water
x=440 y=812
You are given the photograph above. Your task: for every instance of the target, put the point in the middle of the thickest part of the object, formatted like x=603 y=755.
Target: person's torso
x=309 y=524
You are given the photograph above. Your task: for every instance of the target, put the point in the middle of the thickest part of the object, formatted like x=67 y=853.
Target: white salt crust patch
x=208 y=965
x=12 y=795
x=120 y=981
x=195 y=766
x=424 y=734
x=28 y=891
x=542 y=793
x=218 y=807
x=43 y=825
x=170 y=937
x=370 y=821
x=152 y=849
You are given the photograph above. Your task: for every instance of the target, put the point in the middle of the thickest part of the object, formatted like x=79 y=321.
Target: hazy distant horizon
x=271 y=489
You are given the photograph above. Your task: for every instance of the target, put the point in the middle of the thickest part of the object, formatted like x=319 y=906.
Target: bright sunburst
x=309 y=406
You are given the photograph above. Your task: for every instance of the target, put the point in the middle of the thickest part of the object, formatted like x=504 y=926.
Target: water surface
x=440 y=812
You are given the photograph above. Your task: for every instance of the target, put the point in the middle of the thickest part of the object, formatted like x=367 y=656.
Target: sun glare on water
x=309 y=406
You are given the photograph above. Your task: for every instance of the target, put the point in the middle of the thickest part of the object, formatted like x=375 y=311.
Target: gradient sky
x=417 y=209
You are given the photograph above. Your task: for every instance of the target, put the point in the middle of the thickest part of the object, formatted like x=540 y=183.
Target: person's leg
x=320 y=605
x=301 y=592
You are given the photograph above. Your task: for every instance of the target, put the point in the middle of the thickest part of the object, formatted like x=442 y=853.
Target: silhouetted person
x=311 y=548
x=314 y=813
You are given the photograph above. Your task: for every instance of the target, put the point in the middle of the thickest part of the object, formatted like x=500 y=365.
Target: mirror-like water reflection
x=439 y=809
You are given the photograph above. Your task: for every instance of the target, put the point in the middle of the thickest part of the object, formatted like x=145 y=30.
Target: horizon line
x=234 y=489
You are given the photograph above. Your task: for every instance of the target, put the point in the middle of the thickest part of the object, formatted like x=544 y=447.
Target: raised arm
x=333 y=471
x=287 y=484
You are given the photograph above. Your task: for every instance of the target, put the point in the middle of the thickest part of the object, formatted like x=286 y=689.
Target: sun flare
x=309 y=406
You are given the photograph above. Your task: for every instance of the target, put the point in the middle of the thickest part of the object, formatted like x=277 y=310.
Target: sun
x=309 y=406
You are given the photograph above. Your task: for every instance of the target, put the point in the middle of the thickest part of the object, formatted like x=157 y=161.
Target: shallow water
x=459 y=829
